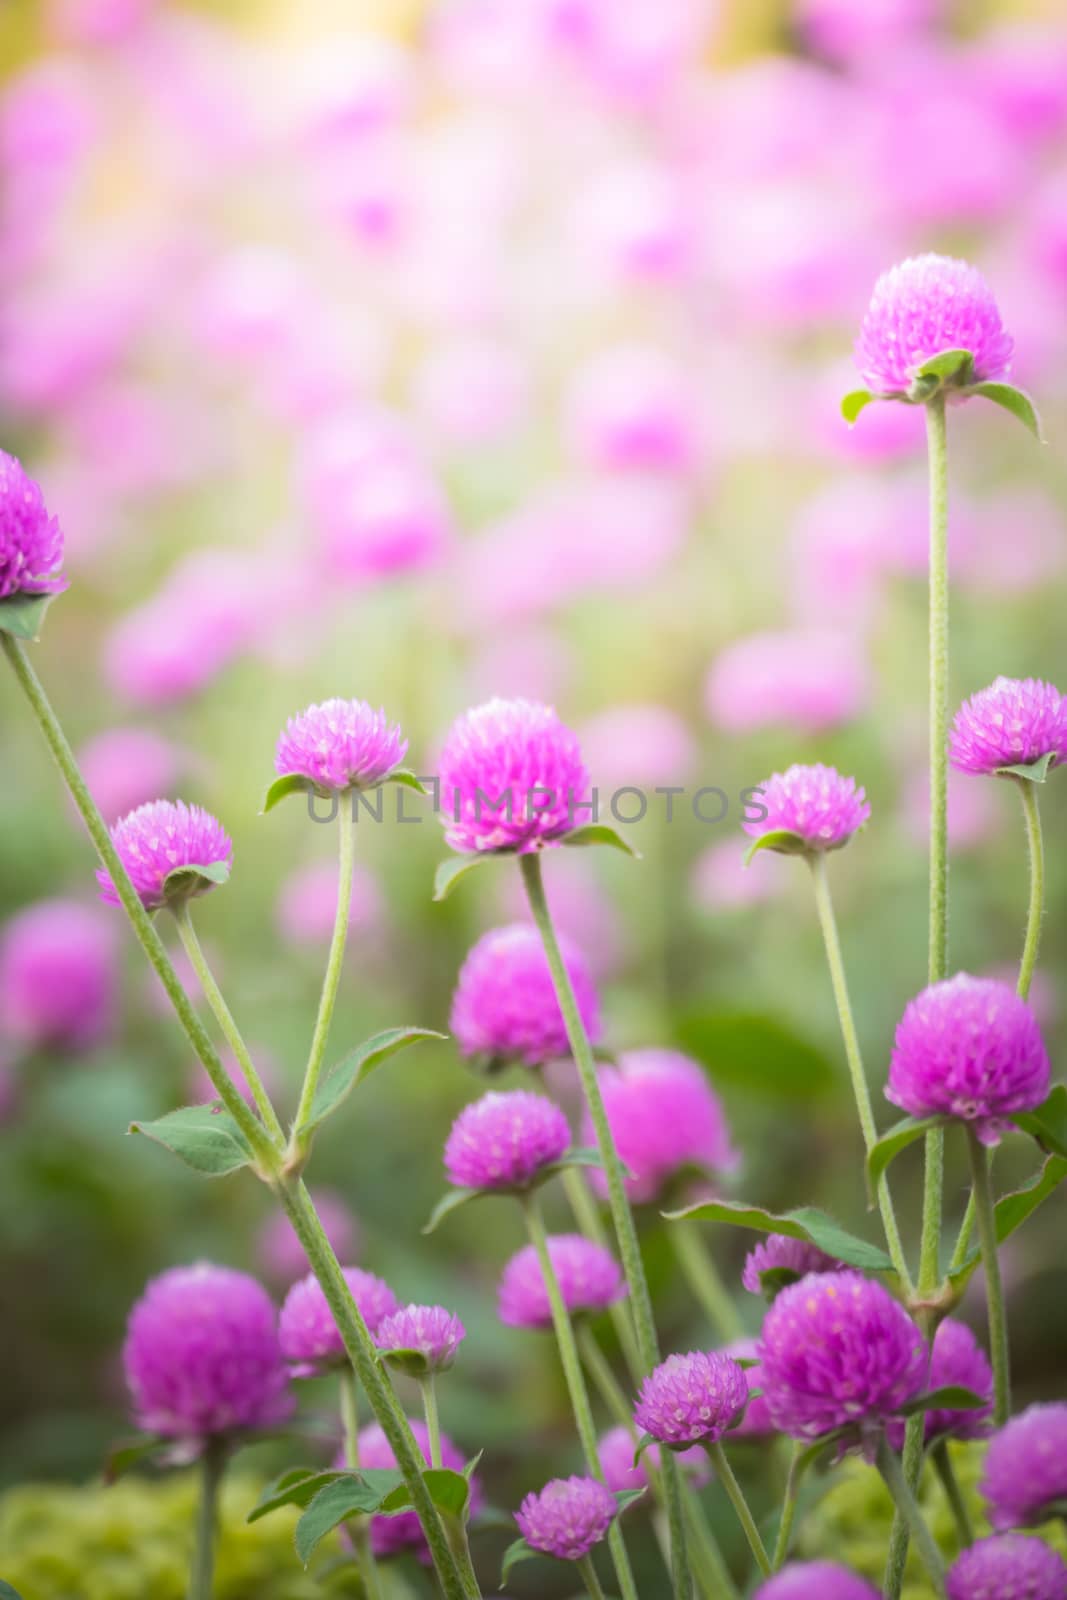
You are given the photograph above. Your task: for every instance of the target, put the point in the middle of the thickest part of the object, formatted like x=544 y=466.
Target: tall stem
x=713 y=1576
x=908 y=1507
x=428 y=1389
x=987 y=1236
x=334 y=967
x=950 y=1484
x=590 y=1579
x=358 y=1526
x=201 y=1575
x=599 y=1369
x=725 y=1474
x=861 y=1092
x=621 y=1215
x=789 y=1511
x=583 y=1204
x=702 y=1276
x=576 y=1389
x=1028 y=795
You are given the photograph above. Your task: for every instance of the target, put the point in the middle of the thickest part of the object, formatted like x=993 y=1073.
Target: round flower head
x=568 y=1517
x=1026 y=1467
x=815 y=1580
x=434 y=1333
x=780 y=1254
x=505 y=1007
x=1014 y=722
x=1009 y=1566
x=58 y=976
x=816 y=803
x=308 y=1335
x=31 y=543
x=968 y=1048
x=959 y=1360
x=837 y=1350
x=921 y=308
x=589 y=1279
x=691 y=1399
x=202 y=1356
x=756 y=1422
x=512 y=778
x=389 y=1534
x=158 y=839
x=339 y=745
x=616 y=1453
x=665 y=1119
x=503 y=1140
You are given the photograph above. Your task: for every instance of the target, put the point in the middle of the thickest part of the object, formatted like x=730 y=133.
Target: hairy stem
x=583 y=1204
x=953 y=1494
x=428 y=1390
x=725 y=1474
x=358 y=1527
x=332 y=979
x=908 y=1506
x=987 y=1237
x=1028 y=795
x=702 y=1276
x=713 y=1576
x=202 y=1572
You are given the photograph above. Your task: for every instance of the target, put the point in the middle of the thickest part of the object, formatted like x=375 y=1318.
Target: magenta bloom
x=125 y=767
x=339 y=745
x=202 y=1355
x=921 y=308
x=838 y=1351
x=779 y=1253
x=503 y=1140
x=389 y=1534
x=31 y=543
x=309 y=1337
x=616 y=1452
x=816 y=803
x=157 y=839
x=665 y=1119
x=505 y=1007
x=806 y=678
x=1026 y=1467
x=58 y=976
x=589 y=1279
x=756 y=1422
x=1009 y=1566
x=307 y=903
x=436 y=1334
x=282 y=1256
x=691 y=1399
x=816 y=1580
x=969 y=1048
x=958 y=1359
x=512 y=778
x=1014 y=722
x=568 y=1517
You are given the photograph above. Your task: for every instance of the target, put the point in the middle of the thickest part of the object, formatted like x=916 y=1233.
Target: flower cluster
x=567 y=1518
x=692 y=1399
x=778 y=1253
x=310 y=1338
x=589 y=1280
x=503 y=1140
x=1014 y=722
x=505 y=1007
x=665 y=1119
x=431 y=1332
x=1026 y=1467
x=1009 y=1566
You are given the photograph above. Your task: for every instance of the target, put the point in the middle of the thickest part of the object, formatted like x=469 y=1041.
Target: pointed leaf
x=358 y=1065
x=297 y=1487
x=452 y=1201
x=21 y=615
x=853 y=403
x=1017 y=401
x=408 y=779
x=1034 y=771
x=626 y=1497
x=130 y=1453
x=889 y=1146
x=519 y=1551
x=780 y=840
x=950 y=1397
x=193 y=880
x=349 y=1495
x=947 y=364
x=206 y=1138
x=282 y=788
x=806 y=1222
x=1048 y=1124
x=599 y=833
x=1012 y=1210
x=572 y=1158
x=646 y=1441
x=453 y=868
x=449 y=1491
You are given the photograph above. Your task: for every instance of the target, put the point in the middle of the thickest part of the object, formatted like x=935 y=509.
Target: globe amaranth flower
x=503 y=1140
x=616 y=1454
x=815 y=803
x=202 y=1356
x=756 y=1422
x=1009 y=1566
x=1026 y=1467
x=568 y=1517
x=504 y=1007
x=957 y=1360
x=921 y=308
x=157 y=839
x=815 y=1580
x=402 y=1531
x=58 y=976
x=589 y=1279
x=969 y=1048
x=31 y=541
x=511 y=778
x=1014 y=722
x=665 y=1119
x=340 y=745
x=692 y=1399
x=836 y=1350
x=780 y=1254
x=310 y=1339
x=433 y=1332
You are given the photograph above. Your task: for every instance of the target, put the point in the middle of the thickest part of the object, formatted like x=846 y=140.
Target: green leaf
x=573 y=1158
x=449 y=1491
x=350 y=1494
x=599 y=833
x=1034 y=772
x=519 y=1551
x=626 y=1497
x=853 y=403
x=282 y=788
x=1017 y=401
x=356 y=1067
x=21 y=615
x=806 y=1222
x=297 y=1487
x=757 y=1055
x=190 y=880
x=822 y=1451
x=646 y=1441
x=408 y=779
x=889 y=1146
x=126 y=1455
x=206 y=1138
x=950 y=1397
x=452 y=1201
x=453 y=868
x=7 y=1592
x=781 y=840
x=774 y=1280
x=1012 y=1210
x=1048 y=1124
x=948 y=364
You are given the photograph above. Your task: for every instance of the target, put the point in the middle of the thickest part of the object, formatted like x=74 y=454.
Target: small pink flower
x=918 y=310
x=816 y=804
x=589 y=1279
x=568 y=1517
x=692 y=1399
x=432 y=1332
x=505 y=1006
x=504 y=1140
x=340 y=745
x=160 y=838
x=309 y=1337
x=31 y=541
x=1014 y=722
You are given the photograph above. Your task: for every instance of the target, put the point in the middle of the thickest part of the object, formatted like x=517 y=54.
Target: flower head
x=339 y=745
x=815 y=1580
x=309 y=1337
x=921 y=308
x=665 y=1118
x=837 y=1350
x=159 y=838
x=816 y=803
x=505 y=1007
x=589 y=1279
x=692 y=1399
x=31 y=542
x=1026 y=1466
x=503 y=1140
x=58 y=975
x=969 y=1048
x=512 y=778
x=806 y=678
x=124 y=767
x=616 y=1453
x=434 y=1333
x=1009 y=1566
x=282 y=1256
x=958 y=1359
x=202 y=1355
x=1014 y=722
x=402 y=1531
x=568 y=1517
x=779 y=1253
x=756 y=1421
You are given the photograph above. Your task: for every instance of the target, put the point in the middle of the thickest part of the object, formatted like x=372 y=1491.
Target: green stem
x=583 y=1204
x=428 y=1389
x=725 y=1474
x=861 y=1092
x=987 y=1237
x=950 y=1484
x=702 y=1276
x=223 y=1015
x=599 y=1369
x=1028 y=795
x=332 y=980
x=899 y=1533
x=572 y=1372
x=908 y=1507
x=713 y=1576
x=212 y=1466
x=789 y=1512
x=358 y=1526
x=621 y=1214
x=590 y=1579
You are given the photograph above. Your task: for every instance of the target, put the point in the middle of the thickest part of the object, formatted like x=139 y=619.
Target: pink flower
x=126 y=767
x=665 y=1119
x=434 y=1333
x=505 y=1007
x=568 y=1517
x=589 y=1280
x=1014 y=722
x=808 y=680
x=927 y=305
x=31 y=541
x=815 y=804
x=692 y=1399
x=340 y=745
x=160 y=838
x=309 y=1337
x=630 y=408
x=58 y=976
x=504 y=1140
